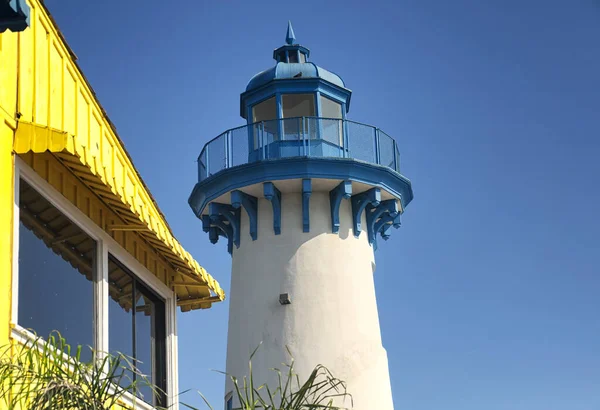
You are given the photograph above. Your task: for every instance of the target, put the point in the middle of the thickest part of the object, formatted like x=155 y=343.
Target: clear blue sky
x=489 y=294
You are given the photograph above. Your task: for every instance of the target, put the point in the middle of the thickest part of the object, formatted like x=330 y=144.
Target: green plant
x=321 y=390
x=45 y=375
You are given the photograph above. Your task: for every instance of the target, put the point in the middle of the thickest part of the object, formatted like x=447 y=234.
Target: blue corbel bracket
x=343 y=190
x=385 y=229
x=359 y=202
x=389 y=206
x=306 y=191
x=250 y=204
x=226 y=213
x=272 y=194
x=218 y=228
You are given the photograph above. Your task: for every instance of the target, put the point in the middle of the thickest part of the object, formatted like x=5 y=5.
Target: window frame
x=105 y=244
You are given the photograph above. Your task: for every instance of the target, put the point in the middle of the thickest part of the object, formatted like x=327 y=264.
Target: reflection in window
x=332 y=128
x=137 y=328
x=302 y=58
x=56 y=272
x=265 y=111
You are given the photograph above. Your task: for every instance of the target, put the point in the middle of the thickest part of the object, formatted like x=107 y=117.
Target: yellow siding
x=8 y=101
x=6 y=228
x=58 y=113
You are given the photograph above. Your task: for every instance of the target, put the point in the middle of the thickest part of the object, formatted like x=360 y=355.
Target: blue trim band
x=299 y=168
x=306 y=191
x=272 y=194
x=250 y=204
x=343 y=190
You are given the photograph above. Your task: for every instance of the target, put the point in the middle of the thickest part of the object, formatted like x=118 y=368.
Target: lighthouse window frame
x=105 y=244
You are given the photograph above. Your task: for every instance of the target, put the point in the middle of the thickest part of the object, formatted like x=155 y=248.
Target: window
x=229 y=401
x=265 y=111
x=302 y=58
x=62 y=285
x=294 y=106
x=332 y=128
x=57 y=262
x=293 y=56
x=298 y=105
x=330 y=108
x=136 y=323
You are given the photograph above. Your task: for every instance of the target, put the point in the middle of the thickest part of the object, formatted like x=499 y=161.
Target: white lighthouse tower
x=302 y=195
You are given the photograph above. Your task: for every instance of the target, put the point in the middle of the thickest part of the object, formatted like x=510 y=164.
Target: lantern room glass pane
x=302 y=58
x=332 y=128
x=56 y=272
x=298 y=105
x=293 y=56
x=330 y=108
x=265 y=110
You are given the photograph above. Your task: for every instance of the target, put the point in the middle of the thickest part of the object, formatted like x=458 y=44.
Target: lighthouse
x=302 y=195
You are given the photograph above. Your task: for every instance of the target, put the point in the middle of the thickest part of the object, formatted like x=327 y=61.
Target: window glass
x=120 y=326
x=302 y=58
x=298 y=105
x=330 y=108
x=137 y=328
x=265 y=111
x=56 y=272
x=293 y=56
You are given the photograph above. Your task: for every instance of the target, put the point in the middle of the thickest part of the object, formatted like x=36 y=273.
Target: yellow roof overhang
x=109 y=173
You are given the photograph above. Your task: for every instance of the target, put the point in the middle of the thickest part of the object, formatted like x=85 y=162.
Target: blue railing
x=298 y=137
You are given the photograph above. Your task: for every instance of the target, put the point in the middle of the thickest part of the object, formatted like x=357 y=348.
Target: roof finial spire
x=290 y=36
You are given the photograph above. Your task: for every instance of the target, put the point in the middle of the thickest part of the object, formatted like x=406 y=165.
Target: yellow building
x=81 y=239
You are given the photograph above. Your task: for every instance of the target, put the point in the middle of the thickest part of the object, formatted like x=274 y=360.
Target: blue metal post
x=395 y=157
x=346 y=139
x=304 y=141
x=262 y=139
x=227 y=153
x=377 y=147
x=207 y=161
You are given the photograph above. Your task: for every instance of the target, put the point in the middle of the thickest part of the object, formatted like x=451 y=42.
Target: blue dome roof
x=294 y=70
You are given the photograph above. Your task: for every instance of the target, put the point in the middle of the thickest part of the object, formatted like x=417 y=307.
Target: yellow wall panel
x=70 y=104
x=8 y=72
x=26 y=75
x=56 y=87
x=41 y=73
x=83 y=111
x=6 y=228
x=95 y=132
x=107 y=156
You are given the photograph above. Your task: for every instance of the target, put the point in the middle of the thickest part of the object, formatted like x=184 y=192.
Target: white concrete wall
x=333 y=317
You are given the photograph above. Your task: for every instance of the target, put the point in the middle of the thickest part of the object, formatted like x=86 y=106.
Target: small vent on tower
x=285 y=299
